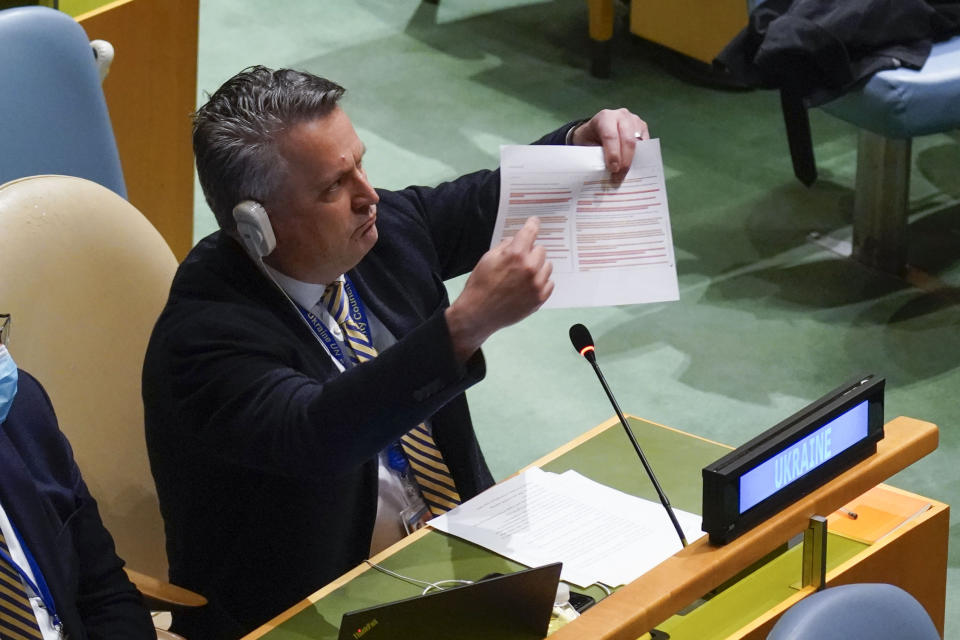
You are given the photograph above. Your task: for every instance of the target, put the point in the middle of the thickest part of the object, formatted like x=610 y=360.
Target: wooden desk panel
x=699 y=29
x=694 y=571
x=151 y=91
x=913 y=557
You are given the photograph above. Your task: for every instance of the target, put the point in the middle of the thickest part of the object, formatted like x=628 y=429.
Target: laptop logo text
x=362 y=631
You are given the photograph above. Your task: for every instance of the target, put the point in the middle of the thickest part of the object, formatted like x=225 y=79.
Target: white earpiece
x=254 y=229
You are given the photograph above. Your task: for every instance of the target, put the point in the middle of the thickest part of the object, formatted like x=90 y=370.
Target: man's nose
x=365 y=194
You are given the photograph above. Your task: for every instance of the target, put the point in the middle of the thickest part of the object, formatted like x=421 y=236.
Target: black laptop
x=515 y=606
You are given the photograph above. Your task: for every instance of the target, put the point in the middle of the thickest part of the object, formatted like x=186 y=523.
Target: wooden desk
x=698 y=29
x=913 y=556
x=151 y=91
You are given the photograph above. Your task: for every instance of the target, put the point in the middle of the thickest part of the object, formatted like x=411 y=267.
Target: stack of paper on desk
x=600 y=534
x=609 y=241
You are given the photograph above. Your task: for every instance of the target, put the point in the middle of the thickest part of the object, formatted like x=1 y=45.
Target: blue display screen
x=804 y=456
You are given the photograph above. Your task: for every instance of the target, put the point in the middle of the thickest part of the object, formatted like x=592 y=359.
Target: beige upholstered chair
x=85 y=276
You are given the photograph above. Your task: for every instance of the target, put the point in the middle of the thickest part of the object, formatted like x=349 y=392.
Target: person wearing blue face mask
x=59 y=574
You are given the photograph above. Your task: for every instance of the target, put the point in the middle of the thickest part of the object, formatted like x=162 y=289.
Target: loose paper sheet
x=600 y=534
x=609 y=243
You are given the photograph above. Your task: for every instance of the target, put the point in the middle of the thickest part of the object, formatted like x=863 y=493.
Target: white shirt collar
x=306 y=294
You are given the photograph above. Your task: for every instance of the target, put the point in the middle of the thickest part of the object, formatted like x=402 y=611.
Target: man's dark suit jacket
x=46 y=499
x=263 y=452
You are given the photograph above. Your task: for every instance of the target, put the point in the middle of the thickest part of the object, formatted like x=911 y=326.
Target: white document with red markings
x=609 y=242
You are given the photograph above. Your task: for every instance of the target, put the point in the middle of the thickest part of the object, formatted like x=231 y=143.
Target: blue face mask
x=8 y=382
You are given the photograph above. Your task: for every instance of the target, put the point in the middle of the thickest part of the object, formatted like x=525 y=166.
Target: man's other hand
x=510 y=282
x=617 y=131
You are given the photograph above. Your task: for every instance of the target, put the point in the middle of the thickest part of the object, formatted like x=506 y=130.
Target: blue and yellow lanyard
x=356 y=309
x=396 y=458
x=39 y=587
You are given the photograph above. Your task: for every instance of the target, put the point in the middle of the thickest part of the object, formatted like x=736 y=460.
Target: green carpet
x=767 y=320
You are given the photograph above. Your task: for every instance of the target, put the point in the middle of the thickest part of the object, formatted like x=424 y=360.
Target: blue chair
x=856 y=612
x=53 y=114
x=891 y=108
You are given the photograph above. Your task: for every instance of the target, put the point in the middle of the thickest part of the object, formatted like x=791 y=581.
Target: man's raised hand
x=617 y=131
x=510 y=282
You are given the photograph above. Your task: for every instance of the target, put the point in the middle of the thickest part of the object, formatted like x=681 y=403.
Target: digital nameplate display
x=806 y=450
x=804 y=456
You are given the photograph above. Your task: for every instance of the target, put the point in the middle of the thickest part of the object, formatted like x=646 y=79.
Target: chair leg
x=797 y=122
x=601 y=18
x=600 y=59
x=881 y=201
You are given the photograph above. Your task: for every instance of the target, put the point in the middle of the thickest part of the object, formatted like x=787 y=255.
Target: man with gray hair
x=304 y=386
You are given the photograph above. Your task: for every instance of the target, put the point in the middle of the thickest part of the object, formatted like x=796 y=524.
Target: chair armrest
x=160 y=595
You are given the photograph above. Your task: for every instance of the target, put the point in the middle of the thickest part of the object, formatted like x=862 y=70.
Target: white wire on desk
x=438 y=585
x=428 y=586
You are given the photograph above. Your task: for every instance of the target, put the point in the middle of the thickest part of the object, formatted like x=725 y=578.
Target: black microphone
x=583 y=343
